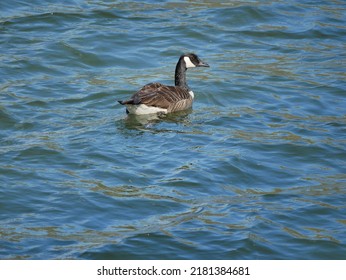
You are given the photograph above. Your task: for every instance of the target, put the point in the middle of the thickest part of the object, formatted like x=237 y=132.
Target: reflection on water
x=149 y=121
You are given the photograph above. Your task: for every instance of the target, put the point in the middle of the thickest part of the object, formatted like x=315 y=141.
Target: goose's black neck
x=180 y=74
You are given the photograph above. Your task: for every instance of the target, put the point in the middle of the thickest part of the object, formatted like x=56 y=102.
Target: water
x=256 y=170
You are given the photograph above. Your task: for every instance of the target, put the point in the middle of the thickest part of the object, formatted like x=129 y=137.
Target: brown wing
x=159 y=95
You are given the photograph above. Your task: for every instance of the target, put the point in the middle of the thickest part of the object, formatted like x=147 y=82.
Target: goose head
x=191 y=60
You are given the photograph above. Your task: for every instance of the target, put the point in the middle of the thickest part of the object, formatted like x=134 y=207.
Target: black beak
x=202 y=64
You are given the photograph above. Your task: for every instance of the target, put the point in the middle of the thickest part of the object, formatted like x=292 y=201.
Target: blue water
x=256 y=170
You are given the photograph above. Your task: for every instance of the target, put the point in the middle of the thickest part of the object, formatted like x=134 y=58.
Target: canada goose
x=159 y=98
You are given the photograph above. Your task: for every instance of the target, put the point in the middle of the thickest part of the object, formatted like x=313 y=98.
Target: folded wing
x=158 y=95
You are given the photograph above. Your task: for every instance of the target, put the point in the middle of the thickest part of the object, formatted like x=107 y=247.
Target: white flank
x=192 y=94
x=188 y=62
x=144 y=109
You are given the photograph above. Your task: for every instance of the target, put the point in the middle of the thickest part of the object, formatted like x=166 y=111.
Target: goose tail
x=125 y=102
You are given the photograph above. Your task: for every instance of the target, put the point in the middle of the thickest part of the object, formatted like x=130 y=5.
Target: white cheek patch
x=188 y=62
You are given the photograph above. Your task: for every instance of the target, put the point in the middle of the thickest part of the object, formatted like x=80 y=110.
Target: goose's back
x=172 y=98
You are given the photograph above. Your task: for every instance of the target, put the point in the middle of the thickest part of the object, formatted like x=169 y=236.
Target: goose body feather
x=156 y=97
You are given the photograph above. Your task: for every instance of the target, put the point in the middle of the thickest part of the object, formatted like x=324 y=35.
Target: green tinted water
x=256 y=170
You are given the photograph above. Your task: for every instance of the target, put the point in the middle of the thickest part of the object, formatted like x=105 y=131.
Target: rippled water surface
x=256 y=170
